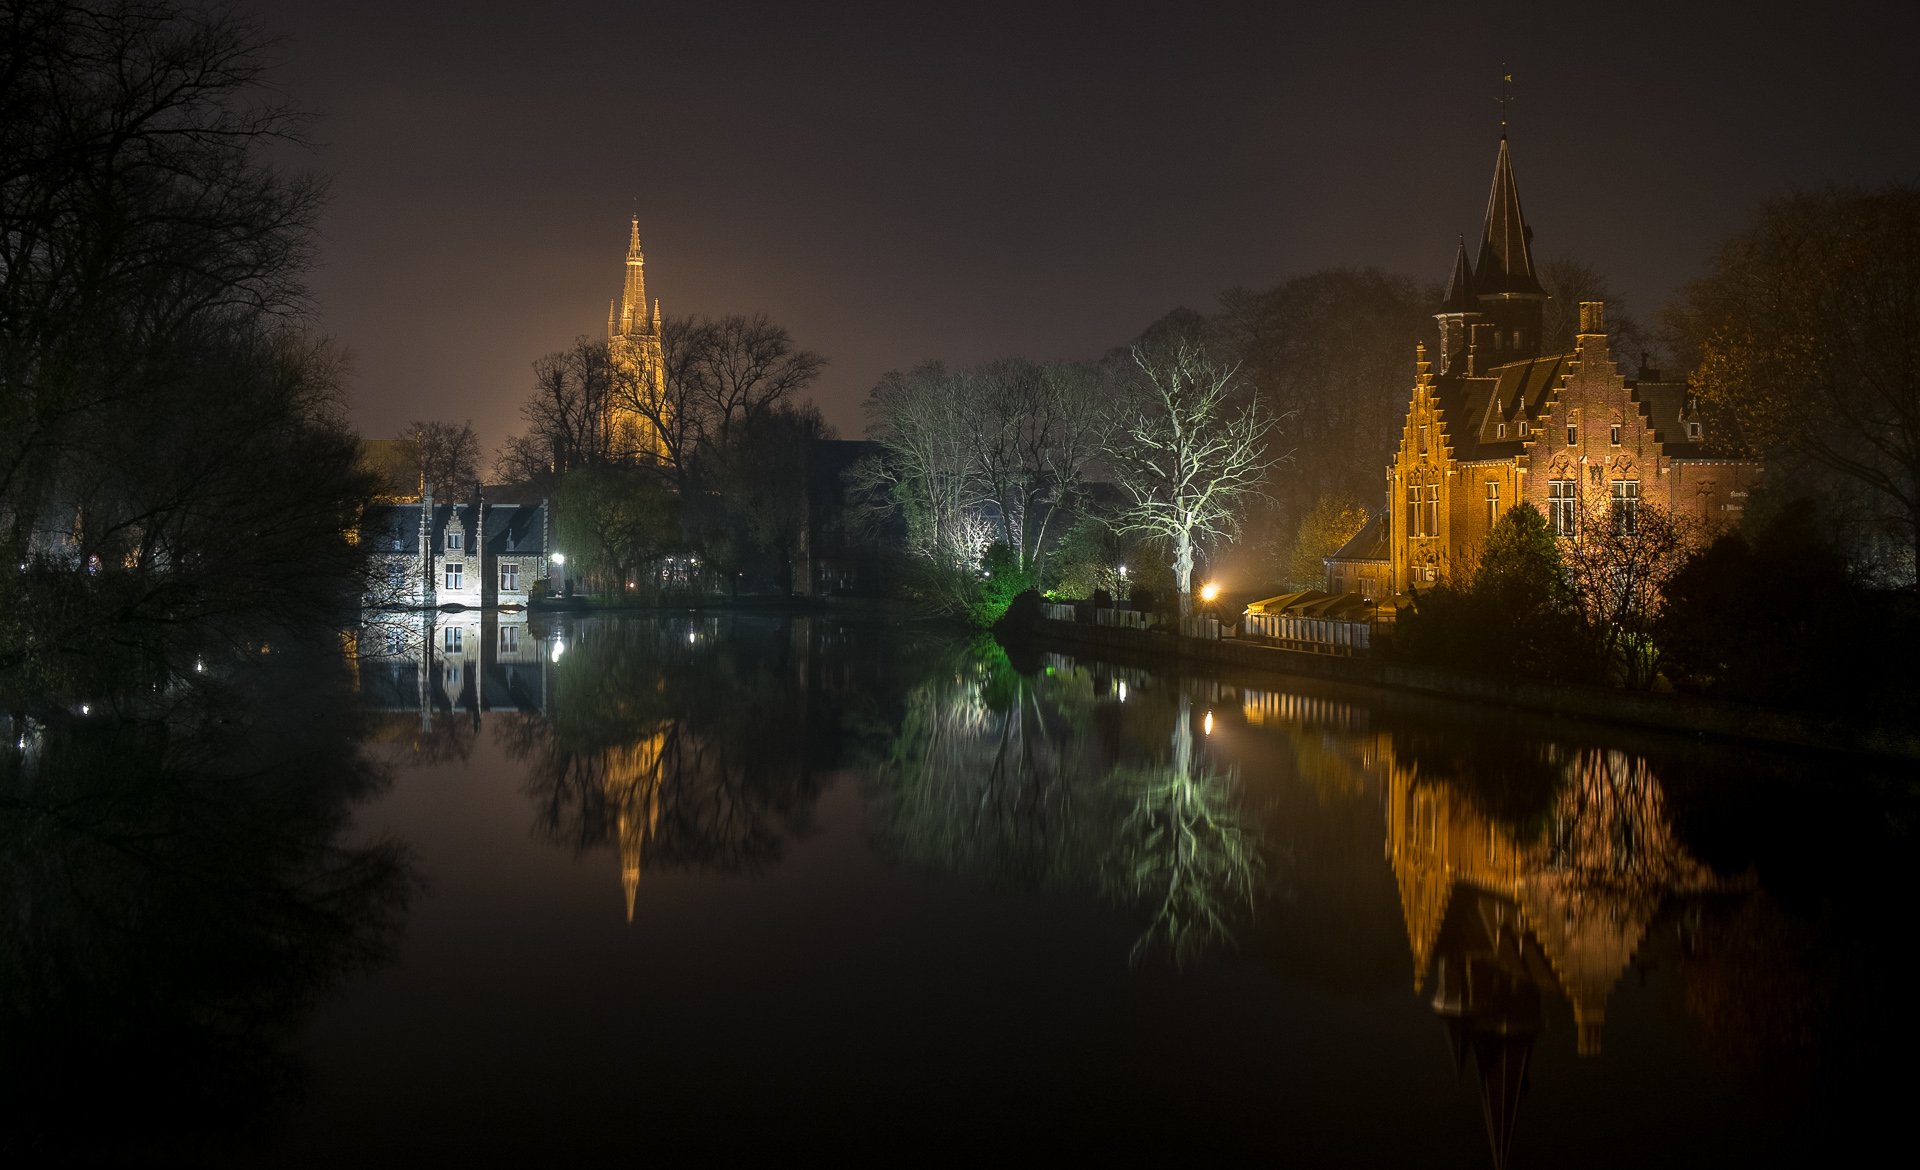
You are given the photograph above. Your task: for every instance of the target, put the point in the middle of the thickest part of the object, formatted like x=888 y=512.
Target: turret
x=1508 y=291
x=1458 y=312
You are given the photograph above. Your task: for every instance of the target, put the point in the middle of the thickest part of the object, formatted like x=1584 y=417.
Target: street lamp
x=1210 y=593
x=559 y=558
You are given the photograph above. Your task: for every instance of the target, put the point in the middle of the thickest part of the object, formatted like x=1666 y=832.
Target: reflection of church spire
x=632 y=785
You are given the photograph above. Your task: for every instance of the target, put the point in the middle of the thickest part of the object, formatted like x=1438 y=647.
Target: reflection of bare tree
x=680 y=746
x=1004 y=776
x=1183 y=850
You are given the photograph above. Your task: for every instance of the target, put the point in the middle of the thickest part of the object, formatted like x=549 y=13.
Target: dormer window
x=1693 y=431
x=1523 y=428
x=453 y=540
x=1501 y=431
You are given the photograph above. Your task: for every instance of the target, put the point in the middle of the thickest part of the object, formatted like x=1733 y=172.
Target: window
x=1493 y=502
x=1433 y=509
x=454 y=674
x=1501 y=431
x=1693 y=431
x=510 y=576
x=1413 y=512
x=455 y=572
x=1560 y=506
x=1626 y=505
x=1615 y=437
x=455 y=539
x=393 y=642
x=1423 y=438
x=1523 y=428
x=451 y=639
x=509 y=639
x=1516 y=339
x=1573 y=435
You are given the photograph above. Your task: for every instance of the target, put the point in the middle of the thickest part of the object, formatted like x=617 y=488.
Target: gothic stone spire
x=1506 y=250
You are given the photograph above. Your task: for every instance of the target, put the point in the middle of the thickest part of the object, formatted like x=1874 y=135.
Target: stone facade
x=475 y=555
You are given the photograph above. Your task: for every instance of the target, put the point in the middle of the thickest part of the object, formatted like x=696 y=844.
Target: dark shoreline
x=1665 y=713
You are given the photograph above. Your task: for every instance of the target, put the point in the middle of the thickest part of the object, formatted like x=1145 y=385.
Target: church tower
x=633 y=349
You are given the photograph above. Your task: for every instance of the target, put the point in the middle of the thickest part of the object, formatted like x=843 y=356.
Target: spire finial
x=1506 y=96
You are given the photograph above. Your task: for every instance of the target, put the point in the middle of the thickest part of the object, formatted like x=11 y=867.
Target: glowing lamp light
x=1122 y=570
x=559 y=558
x=1209 y=592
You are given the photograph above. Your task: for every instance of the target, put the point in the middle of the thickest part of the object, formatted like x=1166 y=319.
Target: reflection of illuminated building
x=631 y=781
x=1496 y=921
x=471 y=660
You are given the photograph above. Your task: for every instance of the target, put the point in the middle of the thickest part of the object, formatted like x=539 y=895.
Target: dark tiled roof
x=1460 y=298
x=1369 y=544
x=1474 y=407
x=516 y=529
x=391 y=528
x=1506 y=250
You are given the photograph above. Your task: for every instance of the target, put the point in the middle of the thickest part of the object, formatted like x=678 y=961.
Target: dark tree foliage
x=1777 y=619
x=172 y=450
x=1517 y=615
x=1335 y=348
x=1804 y=331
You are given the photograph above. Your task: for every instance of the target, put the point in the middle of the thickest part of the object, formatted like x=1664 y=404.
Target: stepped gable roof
x=1474 y=406
x=1368 y=544
x=1505 y=267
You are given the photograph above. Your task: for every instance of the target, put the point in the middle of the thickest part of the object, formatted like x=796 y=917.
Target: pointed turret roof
x=1459 y=297
x=1506 y=250
x=633 y=299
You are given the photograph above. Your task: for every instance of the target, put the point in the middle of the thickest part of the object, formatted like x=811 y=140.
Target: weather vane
x=1506 y=80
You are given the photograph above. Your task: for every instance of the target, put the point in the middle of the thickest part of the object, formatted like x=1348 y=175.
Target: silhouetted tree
x=1804 y=331
x=449 y=456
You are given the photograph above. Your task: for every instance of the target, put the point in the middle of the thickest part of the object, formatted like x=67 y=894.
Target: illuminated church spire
x=633 y=299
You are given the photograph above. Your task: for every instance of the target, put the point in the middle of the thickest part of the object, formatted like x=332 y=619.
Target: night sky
x=895 y=186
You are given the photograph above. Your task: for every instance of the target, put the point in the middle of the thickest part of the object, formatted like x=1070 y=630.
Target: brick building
x=1494 y=421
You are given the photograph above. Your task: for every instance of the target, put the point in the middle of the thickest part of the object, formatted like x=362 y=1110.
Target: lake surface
x=710 y=888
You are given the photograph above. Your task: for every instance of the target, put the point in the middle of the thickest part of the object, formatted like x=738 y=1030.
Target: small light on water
x=1123 y=690
x=86 y=709
x=559 y=648
x=1209 y=723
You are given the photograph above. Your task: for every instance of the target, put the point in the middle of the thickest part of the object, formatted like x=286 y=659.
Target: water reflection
x=1072 y=779
x=1548 y=892
x=180 y=893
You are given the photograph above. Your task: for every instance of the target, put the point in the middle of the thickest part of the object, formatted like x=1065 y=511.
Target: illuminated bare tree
x=1186 y=455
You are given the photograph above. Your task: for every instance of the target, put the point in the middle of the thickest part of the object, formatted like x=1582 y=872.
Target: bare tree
x=920 y=418
x=449 y=456
x=1186 y=456
x=740 y=367
x=1620 y=564
x=567 y=412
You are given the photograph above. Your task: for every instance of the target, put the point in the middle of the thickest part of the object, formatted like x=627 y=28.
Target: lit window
x=1413 y=512
x=455 y=573
x=1626 y=506
x=1616 y=434
x=1560 y=506
x=1493 y=502
x=510 y=577
x=1573 y=435
x=1433 y=509
x=454 y=539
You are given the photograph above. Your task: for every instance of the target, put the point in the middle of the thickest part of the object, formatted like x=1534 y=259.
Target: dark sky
x=1037 y=180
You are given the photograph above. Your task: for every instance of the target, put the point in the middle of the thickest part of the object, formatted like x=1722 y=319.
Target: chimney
x=1593 y=317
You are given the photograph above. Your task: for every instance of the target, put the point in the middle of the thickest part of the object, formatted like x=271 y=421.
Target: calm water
x=706 y=888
